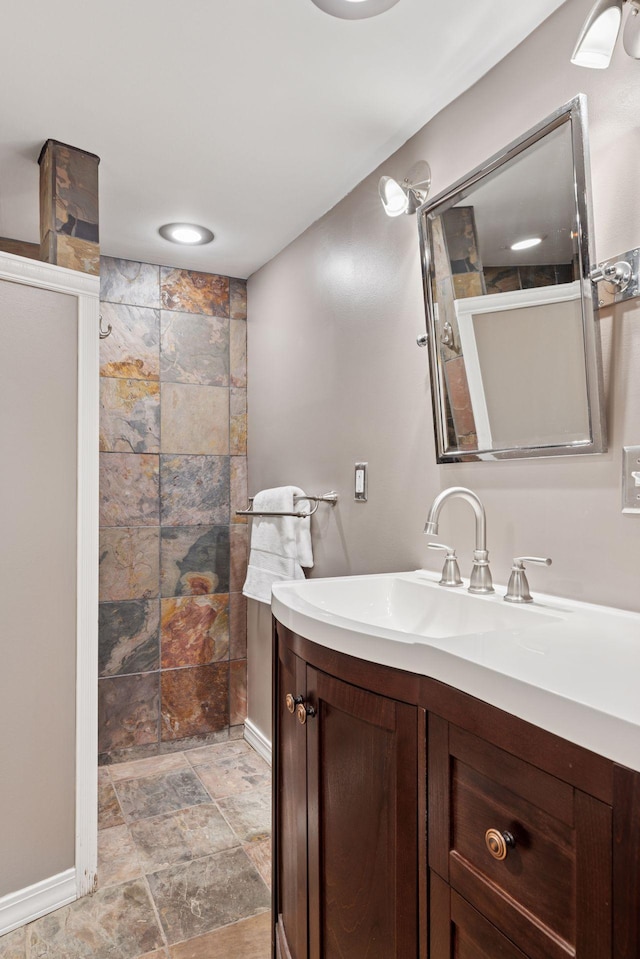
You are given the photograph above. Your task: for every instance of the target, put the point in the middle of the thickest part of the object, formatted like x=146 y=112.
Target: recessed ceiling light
x=526 y=244
x=188 y=233
x=354 y=9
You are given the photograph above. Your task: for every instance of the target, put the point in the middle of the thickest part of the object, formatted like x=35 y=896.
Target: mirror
x=514 y=348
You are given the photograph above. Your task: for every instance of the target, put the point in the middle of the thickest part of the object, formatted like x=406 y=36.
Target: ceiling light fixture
x=354 y=9
x=406 y=197
x=600 y=31
x=189 y=234
x=527 y=243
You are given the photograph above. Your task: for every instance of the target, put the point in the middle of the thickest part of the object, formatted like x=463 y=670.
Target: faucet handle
x=540 y=560
x=450 y=570
x=518 y=588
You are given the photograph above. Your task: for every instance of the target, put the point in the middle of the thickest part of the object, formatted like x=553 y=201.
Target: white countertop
x=571 y=668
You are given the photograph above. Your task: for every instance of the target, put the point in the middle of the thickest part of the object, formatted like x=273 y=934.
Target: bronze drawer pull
x=499 y=843
x=292 y=702
x=302 y=711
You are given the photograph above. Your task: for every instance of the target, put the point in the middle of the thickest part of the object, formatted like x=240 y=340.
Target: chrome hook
x=104 y=333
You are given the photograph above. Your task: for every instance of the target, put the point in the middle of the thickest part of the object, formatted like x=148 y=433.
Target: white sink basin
x=566 y=666
x=413 y=607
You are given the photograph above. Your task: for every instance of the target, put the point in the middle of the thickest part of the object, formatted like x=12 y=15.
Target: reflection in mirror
x=513 y=342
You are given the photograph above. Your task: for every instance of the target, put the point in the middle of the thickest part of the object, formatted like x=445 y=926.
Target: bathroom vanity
x=445 y=785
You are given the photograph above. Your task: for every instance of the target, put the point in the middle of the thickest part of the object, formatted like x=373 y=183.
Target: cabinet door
x=362 y=823
x=290 y=783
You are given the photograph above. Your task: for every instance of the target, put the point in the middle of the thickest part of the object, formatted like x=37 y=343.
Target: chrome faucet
x=480 y=581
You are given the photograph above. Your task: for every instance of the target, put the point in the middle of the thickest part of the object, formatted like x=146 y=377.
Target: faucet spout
x=480 y=581
x=431 y=526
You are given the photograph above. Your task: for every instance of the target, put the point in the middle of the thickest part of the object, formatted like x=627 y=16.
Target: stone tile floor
x=184 y=860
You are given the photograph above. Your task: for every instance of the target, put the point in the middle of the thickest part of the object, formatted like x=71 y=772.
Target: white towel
x=280 y=545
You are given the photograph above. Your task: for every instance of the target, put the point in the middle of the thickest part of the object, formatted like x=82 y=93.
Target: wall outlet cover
x=631 y=479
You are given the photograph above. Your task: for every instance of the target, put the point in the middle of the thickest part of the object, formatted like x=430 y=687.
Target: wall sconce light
x=406 y=197
x=600 y=31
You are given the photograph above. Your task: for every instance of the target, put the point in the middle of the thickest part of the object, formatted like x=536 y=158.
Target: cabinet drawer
x=458 y=931
x=545 y=836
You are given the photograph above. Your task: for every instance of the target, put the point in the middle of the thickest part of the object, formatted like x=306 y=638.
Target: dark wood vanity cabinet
x=346 y=818
x=412 y=820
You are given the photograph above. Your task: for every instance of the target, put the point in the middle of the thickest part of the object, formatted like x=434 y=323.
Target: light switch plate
x=631 y=479
x=360 y=482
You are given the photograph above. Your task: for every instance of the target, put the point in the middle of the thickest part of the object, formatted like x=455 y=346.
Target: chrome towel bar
x=331 y=498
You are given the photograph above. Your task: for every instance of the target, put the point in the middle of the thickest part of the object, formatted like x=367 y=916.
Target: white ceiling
x=252 y=117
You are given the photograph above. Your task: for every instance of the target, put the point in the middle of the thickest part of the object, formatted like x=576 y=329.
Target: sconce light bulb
x=394 y=199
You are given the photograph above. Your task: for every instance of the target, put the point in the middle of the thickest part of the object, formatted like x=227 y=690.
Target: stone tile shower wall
x=172 y=473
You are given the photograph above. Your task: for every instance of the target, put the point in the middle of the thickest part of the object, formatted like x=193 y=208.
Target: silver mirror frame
x=575 y=113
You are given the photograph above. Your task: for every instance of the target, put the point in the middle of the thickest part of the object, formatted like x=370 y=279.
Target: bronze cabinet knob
x=499 y=843
x=292 y=701
x=302 y=711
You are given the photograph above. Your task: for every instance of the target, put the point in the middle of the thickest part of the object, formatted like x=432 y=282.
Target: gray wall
x=335 y=376
x=38 y=415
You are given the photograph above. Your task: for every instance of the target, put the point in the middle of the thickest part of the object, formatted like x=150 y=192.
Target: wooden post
x=69 y=207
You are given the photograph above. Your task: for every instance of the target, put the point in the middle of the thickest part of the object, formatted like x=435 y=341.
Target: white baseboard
x=257 y=740
x=30 y=903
